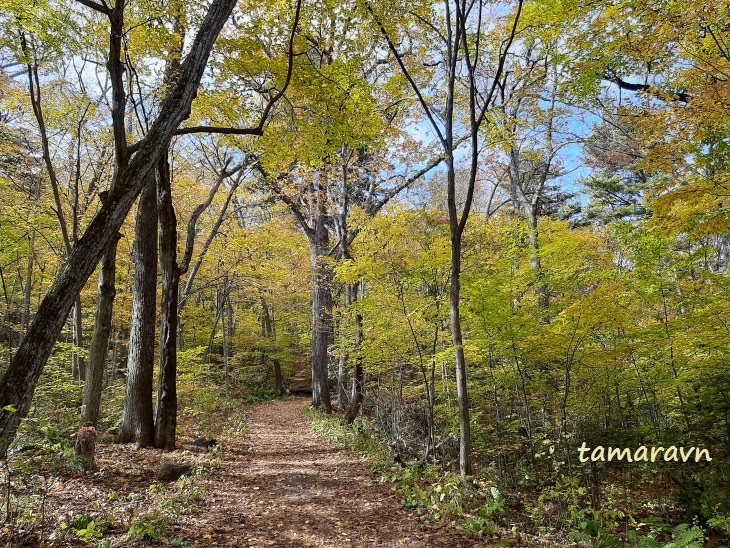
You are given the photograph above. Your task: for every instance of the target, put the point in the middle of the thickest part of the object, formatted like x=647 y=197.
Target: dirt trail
x=289 y=488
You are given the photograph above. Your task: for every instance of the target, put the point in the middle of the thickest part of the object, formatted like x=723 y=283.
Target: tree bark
x=462 y=393
x=358 y=382
x=137 y=420
x=25 y=308
x=21 y=377
x=321 y=315
x=342 y=399
x=100 y=340
x=271 y=336
x=166 y=420
x=79 y=364
x=542 y=288
x=106 y=290
x=226 y=339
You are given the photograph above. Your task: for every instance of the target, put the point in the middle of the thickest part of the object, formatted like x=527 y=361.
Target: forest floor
x=271 y=482
x=287 y=487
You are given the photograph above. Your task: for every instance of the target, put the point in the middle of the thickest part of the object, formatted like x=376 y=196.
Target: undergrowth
x=561 y=514
x=433 y=493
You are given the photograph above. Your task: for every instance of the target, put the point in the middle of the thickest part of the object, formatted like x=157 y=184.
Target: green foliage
x=687 y=535
x=153 y=526
x=481 y=523
x=613 y=333
x=89 y=529
x=357 y=437
x=149 y=526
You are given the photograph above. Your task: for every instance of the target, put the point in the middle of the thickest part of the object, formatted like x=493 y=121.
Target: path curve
x=289 y=488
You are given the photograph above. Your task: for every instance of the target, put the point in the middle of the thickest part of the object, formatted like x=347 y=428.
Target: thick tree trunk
x=100 y=340
x=321 y=316
x=166 y=420
x=21 y=377
x=137 y=420
x=278 y=378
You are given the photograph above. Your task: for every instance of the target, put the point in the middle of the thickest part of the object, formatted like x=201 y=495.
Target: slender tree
x=106 y=289
x=462 y=40
x=21 y=377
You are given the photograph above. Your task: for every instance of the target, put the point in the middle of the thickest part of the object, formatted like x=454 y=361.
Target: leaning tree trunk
x=20 y=379
x=166 y=420
x=100 y=340
x=321 y=316
x=137 y=420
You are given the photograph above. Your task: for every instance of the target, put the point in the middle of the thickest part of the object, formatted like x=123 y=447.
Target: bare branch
x=222 y=130
x=408 y=76
x=101 y=8
x=671 y=96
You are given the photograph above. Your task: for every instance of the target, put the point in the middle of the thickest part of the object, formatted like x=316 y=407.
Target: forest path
x=287 y=487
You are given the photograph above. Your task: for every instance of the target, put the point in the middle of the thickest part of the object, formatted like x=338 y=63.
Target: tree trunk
x=271 y=337
x=542 y=287
x=321 y=316
x=21 y=377
x=211 y=339
x=79 y=363
x=224 y=333
x=112 y=376
x=25 y=308
x=342 y=400
x=166 y=420
x=100 y=340
x=106 y=289
x=461 y=381
x=358 y=384
x=137 y=421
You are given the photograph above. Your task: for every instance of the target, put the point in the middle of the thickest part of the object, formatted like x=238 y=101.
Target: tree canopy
x=485 y=234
